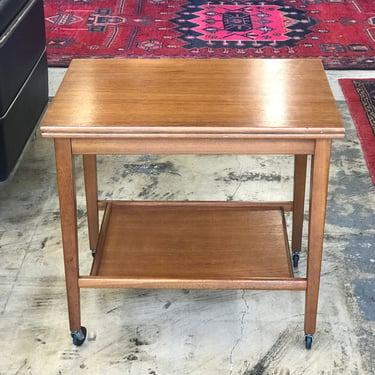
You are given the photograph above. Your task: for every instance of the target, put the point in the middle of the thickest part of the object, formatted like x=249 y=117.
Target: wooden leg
x=91 y=186
x=318 y=198
x=300 y=163
x=68 y=213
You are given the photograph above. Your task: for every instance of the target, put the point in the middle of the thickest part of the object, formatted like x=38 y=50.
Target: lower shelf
x=201 y=242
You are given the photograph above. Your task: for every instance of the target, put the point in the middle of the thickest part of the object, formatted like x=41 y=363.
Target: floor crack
x=231 y=197
x=241 y=334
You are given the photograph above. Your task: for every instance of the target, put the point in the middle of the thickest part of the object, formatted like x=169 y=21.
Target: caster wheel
x=79 y=336
x=308 y=341
x=295 y=260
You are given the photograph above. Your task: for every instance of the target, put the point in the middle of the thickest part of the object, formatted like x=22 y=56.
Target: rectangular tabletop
x=117 y=97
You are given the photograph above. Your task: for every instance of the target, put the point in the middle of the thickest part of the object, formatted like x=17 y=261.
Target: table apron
x=159 y=145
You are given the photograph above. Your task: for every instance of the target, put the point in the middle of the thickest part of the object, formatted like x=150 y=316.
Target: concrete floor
x=186 y=331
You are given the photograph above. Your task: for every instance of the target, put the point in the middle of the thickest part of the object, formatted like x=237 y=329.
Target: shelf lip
x=285 y=205
x=174 y=283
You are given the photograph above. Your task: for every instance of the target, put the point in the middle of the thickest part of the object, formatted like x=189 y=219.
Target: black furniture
x=23 y=77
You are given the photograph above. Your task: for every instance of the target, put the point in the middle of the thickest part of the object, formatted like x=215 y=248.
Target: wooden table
x=175 y=106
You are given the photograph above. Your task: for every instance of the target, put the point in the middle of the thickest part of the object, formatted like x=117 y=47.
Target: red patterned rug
x=360 y=97
x=341 y=32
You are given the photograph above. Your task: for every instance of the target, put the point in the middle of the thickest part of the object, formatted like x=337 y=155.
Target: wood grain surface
x=179 y=240
x=193 y=96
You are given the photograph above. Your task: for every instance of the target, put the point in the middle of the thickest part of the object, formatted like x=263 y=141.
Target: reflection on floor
x=185 y=331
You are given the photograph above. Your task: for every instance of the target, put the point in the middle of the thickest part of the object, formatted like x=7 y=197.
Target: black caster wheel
x=308 y=341
x=295 y=260
x=79 y=336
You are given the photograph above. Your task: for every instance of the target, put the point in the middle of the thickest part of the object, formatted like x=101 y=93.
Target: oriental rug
x=340 y=32
x=360 y=97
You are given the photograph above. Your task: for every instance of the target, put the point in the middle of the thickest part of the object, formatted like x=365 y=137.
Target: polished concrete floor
x=185 y=331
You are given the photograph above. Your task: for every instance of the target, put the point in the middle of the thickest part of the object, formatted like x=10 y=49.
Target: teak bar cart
x=175 y=106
